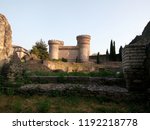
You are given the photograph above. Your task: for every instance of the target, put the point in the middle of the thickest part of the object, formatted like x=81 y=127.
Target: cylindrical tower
x=54 y=48
x=84 y=47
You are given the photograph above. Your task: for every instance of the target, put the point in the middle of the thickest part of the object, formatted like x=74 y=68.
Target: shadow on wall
x=147 y=63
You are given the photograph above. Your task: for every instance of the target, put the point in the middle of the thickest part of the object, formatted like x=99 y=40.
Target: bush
x=60 y=73
x=64 y=60
x=43 y=105
x=1 y=81
x=17 y=106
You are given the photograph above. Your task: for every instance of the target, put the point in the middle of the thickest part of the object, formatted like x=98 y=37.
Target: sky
x=104 y=20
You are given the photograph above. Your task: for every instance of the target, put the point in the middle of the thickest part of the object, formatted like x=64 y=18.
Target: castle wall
x=68 y=52
x=81 y=52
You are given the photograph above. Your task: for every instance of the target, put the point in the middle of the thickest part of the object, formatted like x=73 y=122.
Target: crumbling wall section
x=134 y=60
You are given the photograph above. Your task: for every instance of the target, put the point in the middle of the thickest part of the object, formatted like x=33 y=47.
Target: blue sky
x=119 y=20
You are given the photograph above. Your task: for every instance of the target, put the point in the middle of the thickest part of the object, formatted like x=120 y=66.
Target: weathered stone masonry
x=134 y=57
x=5 y=39
x=81 y=52
x=136 y=61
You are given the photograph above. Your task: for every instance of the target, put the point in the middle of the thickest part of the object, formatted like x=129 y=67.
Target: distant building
x=79 y=53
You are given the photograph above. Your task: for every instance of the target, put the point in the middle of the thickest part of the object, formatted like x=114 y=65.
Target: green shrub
x=17 y=106
x=43 y=105
x=61 y=79
x=104 y=73
x=10 y=91
x=1 y=81
x=64 y=60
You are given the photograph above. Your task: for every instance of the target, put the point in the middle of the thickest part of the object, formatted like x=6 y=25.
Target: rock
x=5 y=40
x=60 y=89
x=13 y=70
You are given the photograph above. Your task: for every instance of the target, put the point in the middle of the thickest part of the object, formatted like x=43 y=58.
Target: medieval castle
x=80 y=52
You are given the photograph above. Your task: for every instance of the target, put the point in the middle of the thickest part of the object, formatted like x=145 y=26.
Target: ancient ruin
x=80 y=52
x=136 y=61
x=21 y=52
x=5 y=39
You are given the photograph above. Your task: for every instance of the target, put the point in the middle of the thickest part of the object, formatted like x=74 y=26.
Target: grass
x=69 y=104
x=103 y=73
x=43 y=105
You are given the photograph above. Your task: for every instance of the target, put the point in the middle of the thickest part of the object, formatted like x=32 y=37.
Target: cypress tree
x=107 y=55
x=120 y=53
x=114 y=51
x=98 y=58
x=111 y=51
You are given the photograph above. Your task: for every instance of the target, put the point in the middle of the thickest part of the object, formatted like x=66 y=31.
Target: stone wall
x=134 y=57
x=136 y=61
x=100 y=81
x=147 y=65
x=21 y=52
x=103 y=58
x=69 y=52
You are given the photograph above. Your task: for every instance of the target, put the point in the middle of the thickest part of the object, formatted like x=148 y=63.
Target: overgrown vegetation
x=98 y=58
x=73 y=103
x=103 y=73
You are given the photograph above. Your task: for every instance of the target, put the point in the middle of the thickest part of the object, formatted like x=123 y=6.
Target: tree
x=107 y=55
x=120 y=53
x=98 y=58
x=114 y=52
x=112 y=56
x=40 y=50
x=111 y=51
x=77 y=59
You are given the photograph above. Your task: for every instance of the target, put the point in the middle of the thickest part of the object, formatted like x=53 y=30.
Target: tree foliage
x=98 y=58
x=107 y=55
x=112 y=56
x=40 y=50
x=120 y=53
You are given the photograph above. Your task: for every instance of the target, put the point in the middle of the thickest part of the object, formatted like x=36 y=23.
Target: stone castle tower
x=80 y=52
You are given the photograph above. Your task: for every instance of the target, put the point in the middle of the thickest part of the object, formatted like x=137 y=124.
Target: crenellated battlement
x=83 y=39
x=50 y=42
